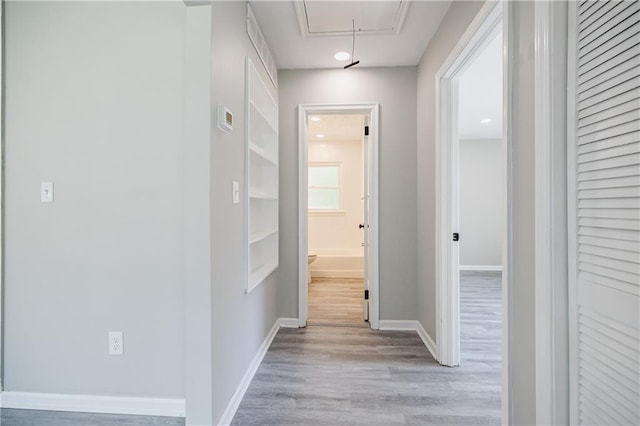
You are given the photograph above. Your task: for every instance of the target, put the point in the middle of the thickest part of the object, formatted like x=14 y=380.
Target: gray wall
x=522 y=297
x=240 y=321
x=395 y=90
x=454 y=24
x=481 y=225
x=94 y=103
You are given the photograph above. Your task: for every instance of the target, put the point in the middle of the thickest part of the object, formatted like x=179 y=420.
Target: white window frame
x=340 y=188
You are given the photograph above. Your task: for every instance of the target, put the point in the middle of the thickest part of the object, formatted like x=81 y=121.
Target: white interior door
x=604 y=212
x=366 y=146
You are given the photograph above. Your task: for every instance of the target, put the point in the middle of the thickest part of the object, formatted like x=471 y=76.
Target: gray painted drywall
x=522 y=297
x=481 y=224
x=94 y=104
x=454 y=24
x=395 y=90
x=196 y=193
x=240 y=321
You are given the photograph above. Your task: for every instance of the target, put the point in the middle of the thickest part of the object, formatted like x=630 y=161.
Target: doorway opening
x=473 y=201
x=338 y=215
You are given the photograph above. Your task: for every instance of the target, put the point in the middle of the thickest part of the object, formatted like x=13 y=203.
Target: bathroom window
x=324 y=187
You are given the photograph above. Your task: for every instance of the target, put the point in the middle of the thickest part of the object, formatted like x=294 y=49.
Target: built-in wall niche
x=261 y=179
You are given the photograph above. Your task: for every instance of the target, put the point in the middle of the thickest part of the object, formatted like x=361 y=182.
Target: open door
x=366 y=146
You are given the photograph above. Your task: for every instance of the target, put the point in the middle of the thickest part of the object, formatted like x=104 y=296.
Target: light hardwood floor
x=351 y=375
x=336 y=301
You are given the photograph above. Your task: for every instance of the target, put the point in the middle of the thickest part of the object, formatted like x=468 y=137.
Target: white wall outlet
x=46 y=192
x=116 y=344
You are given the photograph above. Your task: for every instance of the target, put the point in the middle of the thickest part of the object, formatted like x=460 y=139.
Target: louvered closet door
x=606 y=351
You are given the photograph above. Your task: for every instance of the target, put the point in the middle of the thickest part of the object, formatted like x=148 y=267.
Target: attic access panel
x=330 y=18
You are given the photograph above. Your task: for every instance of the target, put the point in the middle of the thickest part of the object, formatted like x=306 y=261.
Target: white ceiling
x=336 y=128
x=480 y=91
x=291 y=49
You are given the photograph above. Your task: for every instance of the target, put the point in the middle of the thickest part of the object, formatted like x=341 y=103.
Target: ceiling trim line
x=303 y=22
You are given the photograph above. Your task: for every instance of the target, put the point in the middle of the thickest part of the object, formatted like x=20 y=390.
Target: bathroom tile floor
x=336 y=301
x=327 y=375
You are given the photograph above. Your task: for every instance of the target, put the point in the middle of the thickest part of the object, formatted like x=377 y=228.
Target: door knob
x=361 y=226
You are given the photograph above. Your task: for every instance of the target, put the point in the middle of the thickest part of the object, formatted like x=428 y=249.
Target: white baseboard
x=337 y=273
x=411 y=326
x=480 y=268
x=397 y=325
x=242 y=387
x=288 y=322
x=94 y=404
x=427 y=340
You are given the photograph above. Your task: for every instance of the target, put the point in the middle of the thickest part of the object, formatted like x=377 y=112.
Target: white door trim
x=551 y=325
x=304 y=111
x=481 y=30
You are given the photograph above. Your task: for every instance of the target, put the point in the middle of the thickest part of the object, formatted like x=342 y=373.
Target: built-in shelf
x=262 y=235
x=260 y=153
x=261 y=180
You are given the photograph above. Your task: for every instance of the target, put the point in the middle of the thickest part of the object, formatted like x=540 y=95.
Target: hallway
x=323 y=375
x=336 y=301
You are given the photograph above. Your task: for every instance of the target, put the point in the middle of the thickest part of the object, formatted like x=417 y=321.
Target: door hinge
x=366 y=295
x=366 y=130
x=456 y=236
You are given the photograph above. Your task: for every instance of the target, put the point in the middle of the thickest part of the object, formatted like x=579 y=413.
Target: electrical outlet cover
x=116 y=344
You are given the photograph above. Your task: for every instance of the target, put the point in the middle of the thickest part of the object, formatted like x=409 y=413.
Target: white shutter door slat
x=588 y=20
x=630 y=170
x=628 y=192
x=608 y=123
x=605 y=343
x=618 y=61
x=627 y=86
x=609 y=51
x=613 y=283
x=589 y=7
x=619 y=182
x=610 y=163
x=622 y=203
x=632 y=246
x=609 y=103
x=610 y=80
x=611 y=213
x=627 y=256
x=614 y=25
x=630 y=268
x=619 y=140
x=614 y=110
x=612 y=46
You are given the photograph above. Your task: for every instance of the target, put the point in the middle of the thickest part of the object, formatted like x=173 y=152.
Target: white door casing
x=372 y=111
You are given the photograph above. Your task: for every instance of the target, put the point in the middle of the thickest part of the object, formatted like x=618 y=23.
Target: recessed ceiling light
x=342 y=56
x=319 y=136
x=314 y=118
x=485 y=121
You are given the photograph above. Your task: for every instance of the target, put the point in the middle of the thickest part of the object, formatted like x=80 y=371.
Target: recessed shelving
x=261 y=148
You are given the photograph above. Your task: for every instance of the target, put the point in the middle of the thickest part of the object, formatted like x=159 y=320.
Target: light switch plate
x=46 y=192
x=236 y=192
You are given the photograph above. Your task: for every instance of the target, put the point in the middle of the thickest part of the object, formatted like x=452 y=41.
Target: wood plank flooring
x=336 y=301
x=327 y=375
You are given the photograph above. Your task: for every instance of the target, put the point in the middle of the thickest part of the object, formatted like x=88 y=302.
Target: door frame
x=479 y=33
x=304 y=111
